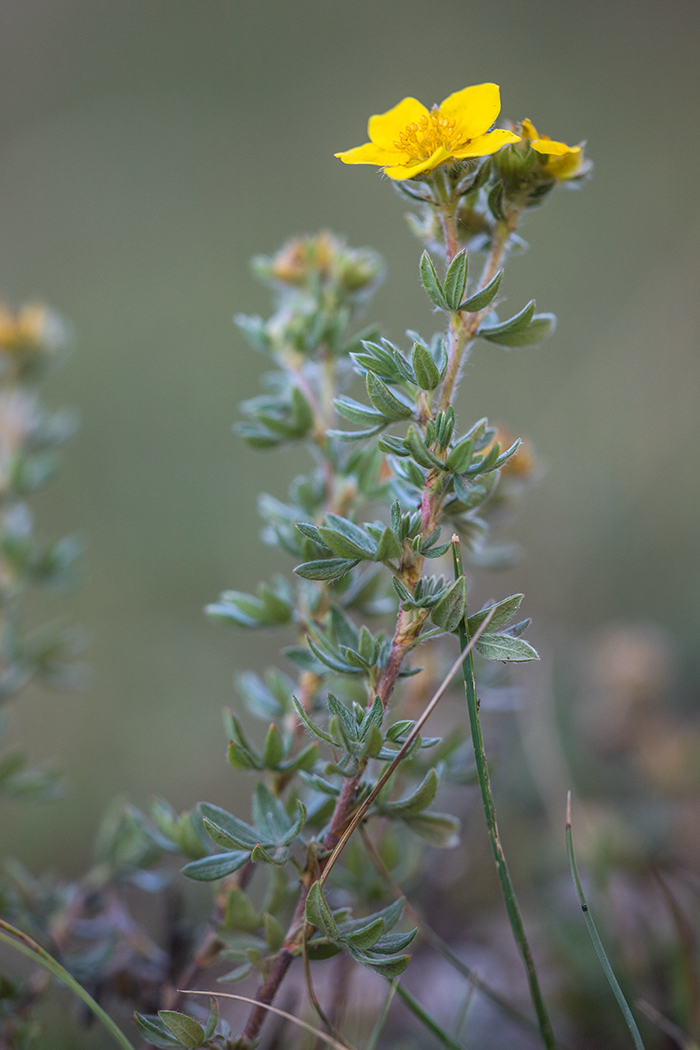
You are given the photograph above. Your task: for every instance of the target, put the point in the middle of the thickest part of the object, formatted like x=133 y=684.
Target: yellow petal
x=485 y=145
x=407 y=171
x=384 y=128
x=474 y=109
x=555 y=149
x=368 y=154
x=529 y=129
x=569 y=166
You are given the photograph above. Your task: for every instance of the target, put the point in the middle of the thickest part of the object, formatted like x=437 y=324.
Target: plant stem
x=441 y=947
x=463 y=327
x=27 y=946
x=507 y=888
x=417 y=1010
x=595 y=937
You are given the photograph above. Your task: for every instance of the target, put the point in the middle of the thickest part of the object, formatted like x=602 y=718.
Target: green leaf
x=241 y=758
x=426 y=371
x=311 y=726
x=389 y=547
x=480 y=300
x=417 y=801
x=155 y=1032
x=513 y=324
x=357 y=412
x=496 y=202
x=431 y=282
x=274 y=933
x=502 y=612
x=356 y=435
x=238 y=974
x=456 y=280
x=367 y=935
x=212 y=1019
x=188 y=1031
x=239 y=913
x=270 y=816
x=319 y=914
x=419 y=452
x=343 y=546
x=303 y=760
x=218 y=866
x=439 y=829
x=540 y=327
x=388 y=968
x=384 y=401
x=278 y=856
x=460 y=456
x=505 y=647
x=394 y=942
x=326 y=569
x=235 y=831
x=274 y=750
x=302 y=413
x=449 y=611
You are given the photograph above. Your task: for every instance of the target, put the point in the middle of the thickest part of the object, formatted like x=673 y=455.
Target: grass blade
x=595 y=937
x=27 y=946
x=381 y=1019
x=417 y=1010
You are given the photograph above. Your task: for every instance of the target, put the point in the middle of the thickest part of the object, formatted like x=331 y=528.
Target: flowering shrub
x=395 y=514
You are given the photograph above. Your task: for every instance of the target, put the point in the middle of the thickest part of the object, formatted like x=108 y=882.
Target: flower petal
x=384 y=128
x=529 y=130
x=473 y=108
x=485 y=145
x=407 y=171
x=553 y=149
x=368 y=154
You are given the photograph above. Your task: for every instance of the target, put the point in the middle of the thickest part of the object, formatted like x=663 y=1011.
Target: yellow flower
x=409 y=138
x=563 y=162
x=24 y=327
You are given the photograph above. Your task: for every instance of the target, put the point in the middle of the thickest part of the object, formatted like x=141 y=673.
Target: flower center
x=421 y=140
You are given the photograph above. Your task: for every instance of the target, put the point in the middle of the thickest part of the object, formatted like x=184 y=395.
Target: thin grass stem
x=381 y=1019
x=595 y=937
x=507 y=888
x=21 y=942
x=417 y=1010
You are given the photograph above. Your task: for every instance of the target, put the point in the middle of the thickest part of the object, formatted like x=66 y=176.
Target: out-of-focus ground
x=147 y=150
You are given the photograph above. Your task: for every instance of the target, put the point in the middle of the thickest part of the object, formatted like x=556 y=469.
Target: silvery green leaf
x=319 y=914
x=155 y=1031
x=502 y=613
x=384 y=401
x=431 y=282
x=513 y=324
x=505 y=647
x=237 y=831
x=456 y=280
x=326 y=569
x=416 y=802
x=439 y=829
x=449 y=611
x=480 y=300
x=540 y=327
x=218 y=866
x=426 y=371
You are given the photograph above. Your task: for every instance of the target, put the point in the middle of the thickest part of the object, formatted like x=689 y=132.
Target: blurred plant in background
x=344 y=777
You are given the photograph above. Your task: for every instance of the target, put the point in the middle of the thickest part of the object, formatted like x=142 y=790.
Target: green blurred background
x=150 y=147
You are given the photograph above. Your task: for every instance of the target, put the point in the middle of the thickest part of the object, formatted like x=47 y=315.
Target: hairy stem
x=507 y=888
x=464 y=326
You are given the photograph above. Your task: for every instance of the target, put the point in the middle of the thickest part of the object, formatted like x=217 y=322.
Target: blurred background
x=148 y=148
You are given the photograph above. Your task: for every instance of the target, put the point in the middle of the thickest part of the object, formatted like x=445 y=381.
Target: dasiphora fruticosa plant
x=399 y=495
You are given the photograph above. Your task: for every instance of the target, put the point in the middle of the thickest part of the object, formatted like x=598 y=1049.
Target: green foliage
x=361 y=529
